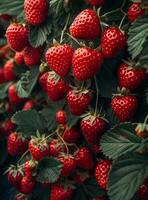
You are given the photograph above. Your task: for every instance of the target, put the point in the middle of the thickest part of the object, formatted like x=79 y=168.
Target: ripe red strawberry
x=86 y=25
x=61 y=117
x=39 y=148
x=59 y=59
x=84 y=158
x=78 y=101
x=16 y=144
x=56 y=147
x=57 y=87
x=68 y=165
x=112 y=42
x=59 y=192
x=86 y=63
x=143 y=191
x=8 y=71
x=15 y=176
x=7 y=127
x=36 y=11
x=71 y=135
x=19 y=58
x=13 y=96
x=29 y=168
x=43 y=81
x=124 y=107
x=101 y=173
x=131 y=78
x=27 y=185
x=93 y=127
x=96 y=148
x=20 y=197
x=29 y=105
x=96 y=2
x=99 y=198
x=17 y=36
x=32 y=56
x=5 y=17
x=2 y=79
x=134 y=12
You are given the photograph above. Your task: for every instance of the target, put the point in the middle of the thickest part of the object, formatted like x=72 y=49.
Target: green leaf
x=137 y=36
x=3 y=90
x=127 y=174
x=38 y=34
x=79 y=194
x=143 y=60
x=29 y=122
x=27 y=82
x=48 y=170
x=120 y=140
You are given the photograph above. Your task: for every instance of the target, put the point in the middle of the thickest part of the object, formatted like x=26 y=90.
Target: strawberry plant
x=74 y=99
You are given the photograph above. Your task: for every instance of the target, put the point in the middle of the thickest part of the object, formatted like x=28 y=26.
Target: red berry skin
x=86 y=25
x=84 y=158
x=55 y=148
x=7 y=127
x=61 y=117
x=99 y=198
x=32 y=56
x=2 y=79
x=19 y=58
x=78 y=101
x=93 y=131
x=131 y=78
x=59 y=59
x=29 y=105
x=36 y=11
x=112 y=42
x=134 y=12
x=86 y=63
x=43 y=81
x=29 y=168
x=13 y=96
x=8 y=71
x=68 y=165
x=143 y=191
x=27 y=185
x=16 y=145
x=17 y=36
x=71 y=135
x=57 y=89
x=101 y=173
x=124 y=107
x=14 y=177
x=4 y=51
x=58 y=192
x=96 y=2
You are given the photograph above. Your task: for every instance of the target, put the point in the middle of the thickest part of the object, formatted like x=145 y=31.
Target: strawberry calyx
x=123 y=92
x=14 y=170
x=43 y=67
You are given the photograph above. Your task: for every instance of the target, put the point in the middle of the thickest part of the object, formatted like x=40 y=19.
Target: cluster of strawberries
x=64 y=62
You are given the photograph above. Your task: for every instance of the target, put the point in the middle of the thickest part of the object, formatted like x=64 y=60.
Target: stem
x=110 y=12
x=47 y=137
x=64 y=29
x=145 y=121
x=97 y=97
x=23 y=156
x=74 y=39
x=63 y=142
x=122 y=21
x=82 y=86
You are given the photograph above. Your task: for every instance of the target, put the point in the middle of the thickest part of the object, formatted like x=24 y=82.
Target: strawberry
x=2 y=78
x=59 y=192
x=39 y=148
x=27 y=185
x=68 y=165
x=55 y=148
x=32 y=56
x=61 y=117
x=84 y=159
x=99 y=198
x=134 y=12
x=113 y=41
x=5 y=17
x=124 y=107
x=43 y=81
x=86 y=63
x=97 y=3
x=20 y=197
x=8 y=71
x=142 y=129
x=16 y=144
x=17 y=36
x=19 y=58
x=59 y=59
x=57 y=88
x=7 y=127
x=29 y=105
x=86 y=25
x=93 y=127
x=78 y=101
x=36 y=11
x=13 y=96
x=131 y=78
x=96 y=148
x=71 y=135
x=29 y=168
x=101 y=173
x=143 y=191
